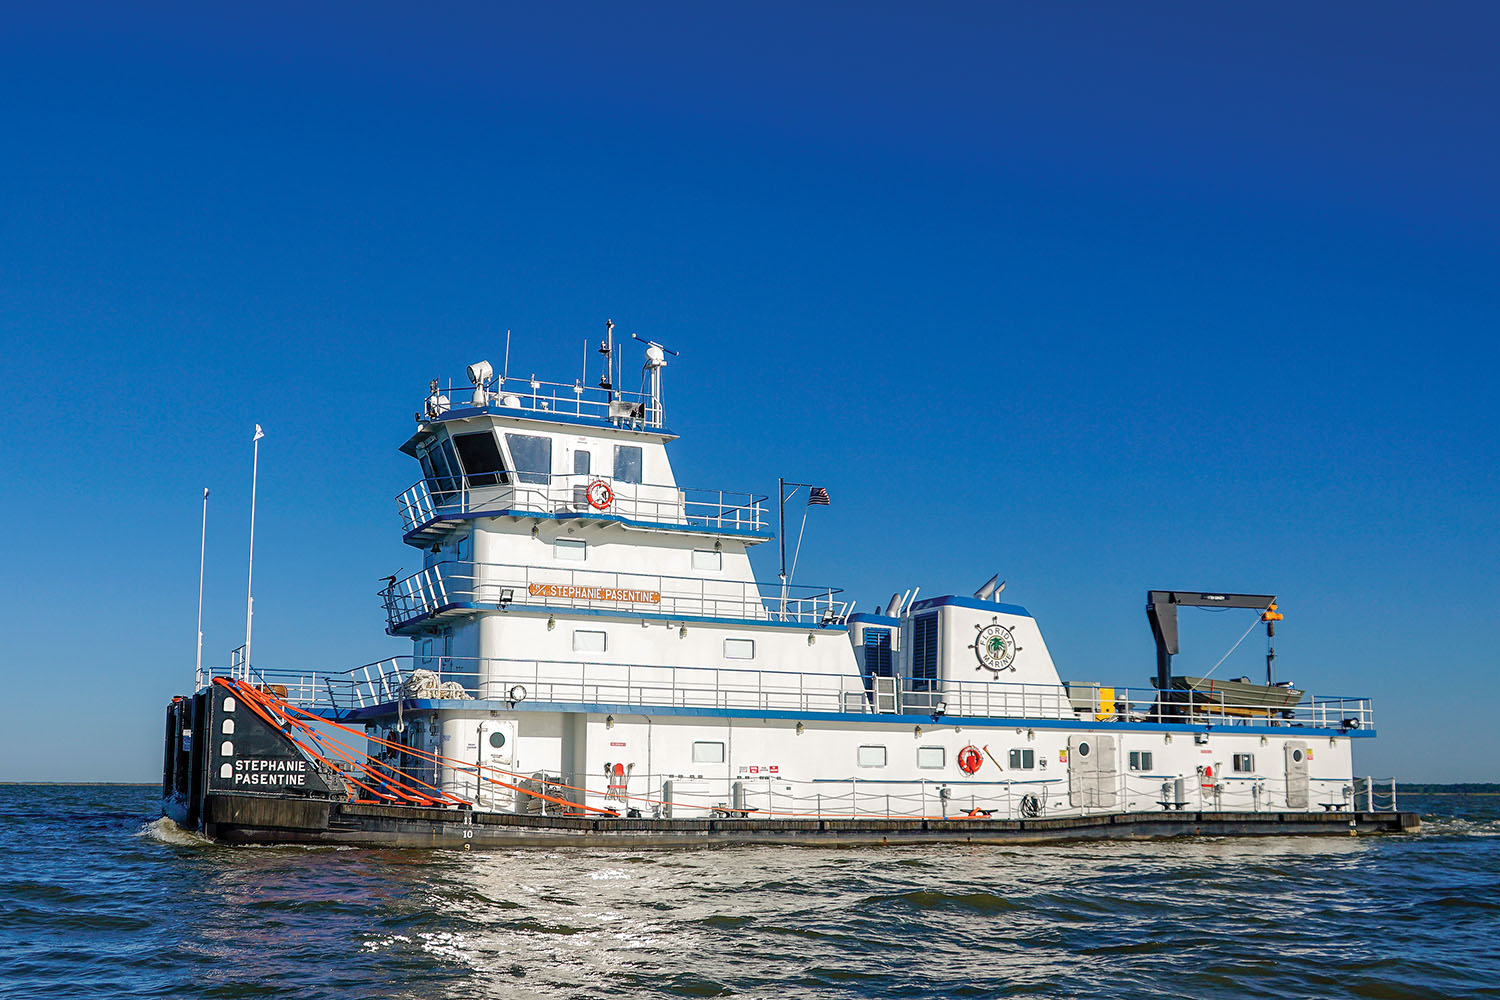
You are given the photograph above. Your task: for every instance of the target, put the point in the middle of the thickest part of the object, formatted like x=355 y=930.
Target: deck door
x=497 y=749
x=1296 y=775
x=1093 y=772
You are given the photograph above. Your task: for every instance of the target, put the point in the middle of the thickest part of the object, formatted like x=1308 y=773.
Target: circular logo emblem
x=995 y=647
x=600 y=495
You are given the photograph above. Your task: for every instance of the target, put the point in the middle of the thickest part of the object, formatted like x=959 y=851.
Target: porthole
x=497 y=740
x=1083 y=748
x=1297 y=756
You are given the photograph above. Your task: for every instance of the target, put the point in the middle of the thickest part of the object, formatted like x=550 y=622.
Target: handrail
x=431 y=501
x=451 y=583
x=533 y=395
x=739 y=687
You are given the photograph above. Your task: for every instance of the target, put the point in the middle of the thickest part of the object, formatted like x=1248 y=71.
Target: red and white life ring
x=970 y=759
x=600 y=495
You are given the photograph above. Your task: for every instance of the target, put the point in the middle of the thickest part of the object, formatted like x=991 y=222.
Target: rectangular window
x=931 y=756
x=463 y=548
x=628 y=463
x=444 y=479
x=447 y=649
x=1140 y=760
x=426 y=650
x=480 y=455
x=739 y=649
x=588 y=642
x=1244 y=762
x=573 y=549
x=532 y=455
x=583 y=463
x=707 y=559
x=872 y=756
x=1022 y=760
x=708 y=753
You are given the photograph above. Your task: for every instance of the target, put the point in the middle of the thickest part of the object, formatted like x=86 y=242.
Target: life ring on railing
x=600 y=495
x=970 y=759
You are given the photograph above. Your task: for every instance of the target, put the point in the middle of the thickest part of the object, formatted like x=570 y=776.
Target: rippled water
x=99 y=898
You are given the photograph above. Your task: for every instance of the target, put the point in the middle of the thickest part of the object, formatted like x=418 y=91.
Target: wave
x=165 y=831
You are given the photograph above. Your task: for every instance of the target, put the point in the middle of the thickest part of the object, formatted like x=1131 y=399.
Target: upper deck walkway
x=374 y=688
x=432 y=507
x=451 y=587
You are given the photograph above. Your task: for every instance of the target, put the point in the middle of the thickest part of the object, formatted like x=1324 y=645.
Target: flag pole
x=202 y=548
x=250 y=578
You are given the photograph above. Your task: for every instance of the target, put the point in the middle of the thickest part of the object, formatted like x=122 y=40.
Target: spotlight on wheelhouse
x=480 y=372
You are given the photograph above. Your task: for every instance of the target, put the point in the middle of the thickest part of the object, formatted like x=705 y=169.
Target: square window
x=588 y=642
x=533 y=457
x=708 y=753
x=1244 y=762
x=707 y=559
x=1140 y=760
x=872 y=756
x=931 y=756
x=583 y=463
x=628 y=463
x=571 y=549
x=1022 y=760
x=739 y=649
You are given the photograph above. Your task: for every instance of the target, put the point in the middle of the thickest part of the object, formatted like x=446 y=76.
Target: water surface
x=100 y=898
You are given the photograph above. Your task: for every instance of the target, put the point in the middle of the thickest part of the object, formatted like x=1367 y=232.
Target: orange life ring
x=600 y=495
x=970 y=759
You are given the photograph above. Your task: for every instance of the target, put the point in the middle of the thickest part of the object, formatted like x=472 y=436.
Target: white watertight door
x=1296 y=775
x=1093 y=772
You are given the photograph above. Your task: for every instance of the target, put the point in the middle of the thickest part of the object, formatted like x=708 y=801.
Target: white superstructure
x=582 y=621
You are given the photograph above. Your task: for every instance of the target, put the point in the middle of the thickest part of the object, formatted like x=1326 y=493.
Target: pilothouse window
x=627 y=463
x=532 y=455
x=480 y=455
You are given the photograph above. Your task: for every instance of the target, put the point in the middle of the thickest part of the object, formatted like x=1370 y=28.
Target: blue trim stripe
x=971 y=602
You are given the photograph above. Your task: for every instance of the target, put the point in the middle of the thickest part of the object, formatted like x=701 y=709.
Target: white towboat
x=592 y=659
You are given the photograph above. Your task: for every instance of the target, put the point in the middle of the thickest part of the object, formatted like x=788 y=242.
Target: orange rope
x=285 y=708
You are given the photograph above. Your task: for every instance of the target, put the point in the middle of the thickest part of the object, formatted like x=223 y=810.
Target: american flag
x=817 y=495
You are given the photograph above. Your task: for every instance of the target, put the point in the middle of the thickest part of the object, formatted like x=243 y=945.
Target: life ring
x=970 y=759
x=600 y=495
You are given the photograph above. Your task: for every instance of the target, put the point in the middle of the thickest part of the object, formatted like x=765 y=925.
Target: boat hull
x=256 y=819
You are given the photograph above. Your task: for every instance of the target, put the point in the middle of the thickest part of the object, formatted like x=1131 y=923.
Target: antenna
x=607 y=348
x=505 y=372
x=202 y=549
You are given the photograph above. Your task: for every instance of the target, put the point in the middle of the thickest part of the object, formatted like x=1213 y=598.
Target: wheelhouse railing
x=743 y=688
x=430 y=502
x=533 y=395
x=461 y=585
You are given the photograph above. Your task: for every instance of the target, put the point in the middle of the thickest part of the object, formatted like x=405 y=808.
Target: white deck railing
x=740 y=688
x=448 y=585
x=432 y=502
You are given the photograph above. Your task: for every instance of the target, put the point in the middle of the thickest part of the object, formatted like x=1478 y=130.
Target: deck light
x=481 y=372
x=917 y=732
x=506 y=596
x=551 y=622
x=799 y=729
x=609 y=722
x=682 y=632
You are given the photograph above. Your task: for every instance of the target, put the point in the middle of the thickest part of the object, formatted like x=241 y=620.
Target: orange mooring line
x=285 y=709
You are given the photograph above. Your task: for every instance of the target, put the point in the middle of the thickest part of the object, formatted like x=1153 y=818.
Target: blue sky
x=1103 y=297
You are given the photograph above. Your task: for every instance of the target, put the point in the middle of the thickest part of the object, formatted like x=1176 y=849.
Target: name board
x=275 y=771
x=570 y=592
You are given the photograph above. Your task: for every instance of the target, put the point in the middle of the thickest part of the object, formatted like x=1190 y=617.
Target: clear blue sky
x=1105 y=298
